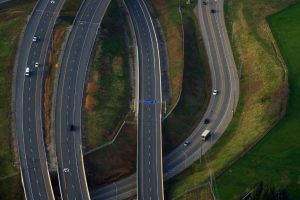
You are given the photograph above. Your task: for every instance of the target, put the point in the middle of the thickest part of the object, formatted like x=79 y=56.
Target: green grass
x=102 y=120
x=263 y=89
x=275 y=160
x=12 y=20
x=69 y=11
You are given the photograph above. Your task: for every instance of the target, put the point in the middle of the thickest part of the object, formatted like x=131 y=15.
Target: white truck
x=205 y=135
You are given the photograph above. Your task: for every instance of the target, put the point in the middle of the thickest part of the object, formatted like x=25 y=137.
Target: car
x=206 y=121
x=149 y=101
x=215 y=92
x=204 y=3
x=72 y=127
x=27 y=71
x=213 y=11
x=186 y=143
x=35 y=38
x=36 y=64
x=66 y=170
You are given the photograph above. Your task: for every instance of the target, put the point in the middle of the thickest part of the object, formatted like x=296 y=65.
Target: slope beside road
x=28 y=105
x=149 y=147
x=220 y=109
x=69 y=97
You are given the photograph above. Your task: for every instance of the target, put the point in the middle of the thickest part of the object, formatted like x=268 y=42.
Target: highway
x=69 y=99
x=149 y=147
x=220 y=109
x=29 y=97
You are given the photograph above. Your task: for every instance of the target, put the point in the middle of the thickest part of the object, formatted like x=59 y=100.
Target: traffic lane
x=20 y=71
x=39 y=176
x=32 y=153
x=76 y=62
x=148 y=89
x=221 y=101
x=68 y=158
x=121 y=186
x=219 y=115
x=79 y=96
x=70 y=91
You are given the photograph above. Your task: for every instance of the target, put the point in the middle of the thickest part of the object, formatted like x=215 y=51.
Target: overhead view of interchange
x=152 y=169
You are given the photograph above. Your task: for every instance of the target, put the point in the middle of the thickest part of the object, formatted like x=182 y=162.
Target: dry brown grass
x=92 y=87
x=173 y=35
x=90 y=102
x=58 y=37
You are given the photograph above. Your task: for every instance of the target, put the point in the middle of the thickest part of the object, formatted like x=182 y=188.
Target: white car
x=215 y=92
x=66 y=170
x=186 y=143
x=27 y=71
x=36 y=64
x=35 y=39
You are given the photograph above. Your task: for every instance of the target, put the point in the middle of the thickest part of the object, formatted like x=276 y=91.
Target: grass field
x=169 y=17
x=12 y=21
x=263 y=88
x=108 y=90
x=275 y=160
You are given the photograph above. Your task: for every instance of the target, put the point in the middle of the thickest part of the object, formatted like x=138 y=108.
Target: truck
x=205 y=135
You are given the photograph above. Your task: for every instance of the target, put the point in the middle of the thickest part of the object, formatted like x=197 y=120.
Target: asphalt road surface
x=149 y=155
x=69 y=97
x=220 y=109
x=28 y=103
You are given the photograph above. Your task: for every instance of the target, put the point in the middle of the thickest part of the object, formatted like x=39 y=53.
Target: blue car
x=148 y=101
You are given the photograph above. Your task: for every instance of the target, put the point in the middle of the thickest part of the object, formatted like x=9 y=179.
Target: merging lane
x=28 y=100
x=70 y=94
x=149 y=150
x=220 y=109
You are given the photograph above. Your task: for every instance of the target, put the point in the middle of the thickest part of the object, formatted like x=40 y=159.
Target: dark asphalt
x=28 y=94
x=70 y=94
x=149 y=159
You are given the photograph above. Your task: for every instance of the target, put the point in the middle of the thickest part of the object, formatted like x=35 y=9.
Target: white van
x=27 y=71
x=205 y=135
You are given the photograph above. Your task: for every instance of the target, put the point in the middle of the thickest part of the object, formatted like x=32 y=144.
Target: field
x=263 y=84
x=108 y=89
x=12 y=20
x=170 y=20
x=108 y=104
x=274 y=160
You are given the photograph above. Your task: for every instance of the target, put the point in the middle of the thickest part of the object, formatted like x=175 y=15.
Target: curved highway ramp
x=69 y=99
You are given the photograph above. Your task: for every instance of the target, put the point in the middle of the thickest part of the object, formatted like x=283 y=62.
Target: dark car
x=213 y=11
x=206 y=121
x=186 y=143
x=72 y=128
x=204 y=3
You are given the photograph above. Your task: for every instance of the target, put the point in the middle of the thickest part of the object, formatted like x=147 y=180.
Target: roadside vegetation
x=196 y=85
x=170 y=20
x=13 y=18
x=274 y=160
x=108 y=90
x=66 y=18
x=107 y=104
x=263 y=85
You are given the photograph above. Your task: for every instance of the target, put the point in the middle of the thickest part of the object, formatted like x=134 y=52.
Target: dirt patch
x=58 y=38
x=117 y=160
